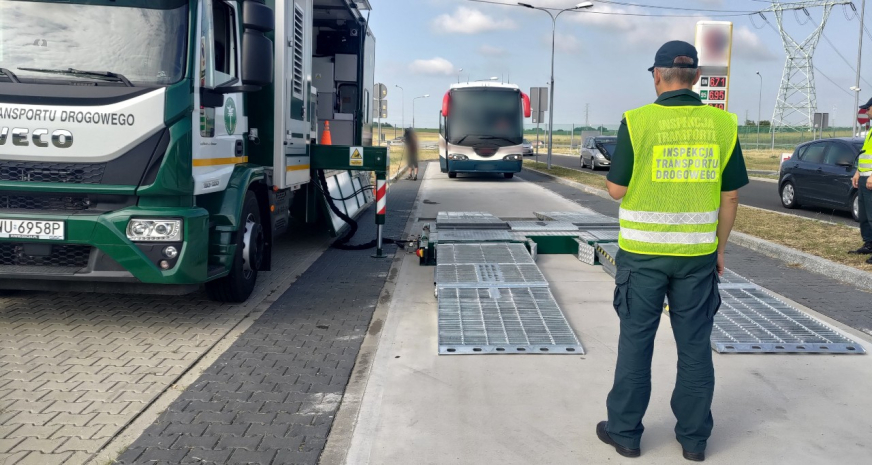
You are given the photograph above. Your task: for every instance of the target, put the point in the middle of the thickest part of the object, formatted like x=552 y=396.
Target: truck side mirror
x=257 y=49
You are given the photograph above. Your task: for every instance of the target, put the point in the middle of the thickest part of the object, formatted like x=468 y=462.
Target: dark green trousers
x=642 y=283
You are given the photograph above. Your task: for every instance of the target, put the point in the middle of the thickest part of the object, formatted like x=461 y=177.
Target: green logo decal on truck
x=230 y=116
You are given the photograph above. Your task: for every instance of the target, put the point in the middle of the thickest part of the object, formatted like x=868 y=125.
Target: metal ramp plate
x=732 y=280
x=543 y=226
x=752 y=321
x=459 y=254
x=606 y=253
x=573 y=233
x=585 y=219
x=466 y=220
x=599 y=235
x=482 y=275
x=586 y=252
x=471 y=235
x=503 y=321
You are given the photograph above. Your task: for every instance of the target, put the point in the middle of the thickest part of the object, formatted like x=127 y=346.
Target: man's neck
x=672 y=89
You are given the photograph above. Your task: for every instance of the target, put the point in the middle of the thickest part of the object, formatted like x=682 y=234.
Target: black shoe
x=603 y=435
x=865 y=250
x=693 y=456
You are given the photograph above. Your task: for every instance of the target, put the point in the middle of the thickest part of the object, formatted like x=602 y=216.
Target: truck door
x=218 y=145
x=297 y=115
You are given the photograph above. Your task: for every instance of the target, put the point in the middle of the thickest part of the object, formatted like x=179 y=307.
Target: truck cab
x=162 y=145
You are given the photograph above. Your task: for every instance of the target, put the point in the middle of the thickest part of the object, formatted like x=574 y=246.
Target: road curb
x=822 y=266
x=771 y=173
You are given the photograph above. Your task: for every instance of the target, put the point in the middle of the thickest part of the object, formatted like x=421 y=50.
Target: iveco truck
x=162 y=145
x=481 y=129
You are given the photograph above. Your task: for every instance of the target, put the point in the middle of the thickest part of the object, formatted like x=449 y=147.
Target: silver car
x=596 y=152
x=527 y=148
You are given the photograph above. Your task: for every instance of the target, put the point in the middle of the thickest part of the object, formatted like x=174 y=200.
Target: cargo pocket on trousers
x=715 y=299
x=622 y=288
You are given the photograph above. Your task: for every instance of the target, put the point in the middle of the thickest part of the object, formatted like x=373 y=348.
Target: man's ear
x=698 y=75
x=657 y=77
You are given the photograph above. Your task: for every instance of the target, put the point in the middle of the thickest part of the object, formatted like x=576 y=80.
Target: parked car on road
x=397 y=141
x=527 y=148
x=819 y=174
x=596 y=152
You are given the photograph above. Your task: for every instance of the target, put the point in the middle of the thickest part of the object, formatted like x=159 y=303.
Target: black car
x=819 y=174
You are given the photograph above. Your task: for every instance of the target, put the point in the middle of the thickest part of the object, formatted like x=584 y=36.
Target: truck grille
x=18 y=254
x=71 y=173
x=44 y=202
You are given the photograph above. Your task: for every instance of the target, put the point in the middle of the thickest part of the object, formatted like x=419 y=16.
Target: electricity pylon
x=797 y=98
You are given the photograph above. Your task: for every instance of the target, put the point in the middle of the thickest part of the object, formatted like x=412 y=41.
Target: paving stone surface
x=839 y=301
x=271 y=397
x=77 y=368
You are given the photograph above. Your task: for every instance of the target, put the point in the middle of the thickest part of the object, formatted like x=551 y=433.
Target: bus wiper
x=497 y=137
x=9 y=74
x=104 y=75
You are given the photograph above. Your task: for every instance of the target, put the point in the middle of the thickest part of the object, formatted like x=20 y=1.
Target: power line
x=675 y=8
x=623 y=13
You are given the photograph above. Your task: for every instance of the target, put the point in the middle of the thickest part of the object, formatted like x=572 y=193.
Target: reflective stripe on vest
x=672 y=202
x=864 y=163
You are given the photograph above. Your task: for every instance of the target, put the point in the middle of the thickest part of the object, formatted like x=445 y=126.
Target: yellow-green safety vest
x=673 y=199
x=864 y=163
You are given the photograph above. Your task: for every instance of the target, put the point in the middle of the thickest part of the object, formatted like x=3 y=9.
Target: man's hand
x=720 y=263
x=869 y=183
x=856 y=180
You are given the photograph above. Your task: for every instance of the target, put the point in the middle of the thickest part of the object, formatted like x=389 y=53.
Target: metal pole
x=859 y=62
x=571 y=138
x=759 y=109
x=551 y=97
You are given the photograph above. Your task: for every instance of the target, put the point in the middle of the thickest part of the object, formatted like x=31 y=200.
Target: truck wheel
x=250 y=244
x=452 y=175
x=509 y=175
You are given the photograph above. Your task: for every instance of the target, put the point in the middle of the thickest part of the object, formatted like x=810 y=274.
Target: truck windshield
x=147 y=45
x=490 y=115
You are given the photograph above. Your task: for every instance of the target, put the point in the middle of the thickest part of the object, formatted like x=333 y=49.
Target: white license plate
x=32 y=229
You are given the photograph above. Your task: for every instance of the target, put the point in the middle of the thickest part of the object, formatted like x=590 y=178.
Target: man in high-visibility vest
x=678 y=167
x=863 y=183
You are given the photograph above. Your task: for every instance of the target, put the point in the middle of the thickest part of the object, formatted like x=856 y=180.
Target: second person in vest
x=678 y=167
x=863 y=183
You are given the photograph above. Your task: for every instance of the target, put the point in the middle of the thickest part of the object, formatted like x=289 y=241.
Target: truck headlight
x=457 y=156
x=513 y=157
x=154 y=230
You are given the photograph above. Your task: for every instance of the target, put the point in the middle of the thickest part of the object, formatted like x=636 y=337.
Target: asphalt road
x=760 y=194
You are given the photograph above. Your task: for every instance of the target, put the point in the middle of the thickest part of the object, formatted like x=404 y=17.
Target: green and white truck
x=162 y=145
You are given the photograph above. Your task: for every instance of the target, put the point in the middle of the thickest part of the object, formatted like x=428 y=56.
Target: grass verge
x=796 y=232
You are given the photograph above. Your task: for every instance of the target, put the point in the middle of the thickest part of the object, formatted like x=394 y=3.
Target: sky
x=601 y=59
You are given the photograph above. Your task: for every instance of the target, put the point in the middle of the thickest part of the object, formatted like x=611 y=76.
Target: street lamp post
x=759 y=108
x=403 y=111
x=413 y=108
x=859 y=62
x=554 y=17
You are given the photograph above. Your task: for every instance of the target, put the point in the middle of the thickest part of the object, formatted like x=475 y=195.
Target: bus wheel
x=509 y=175
x=452 y=175
x=250 y=245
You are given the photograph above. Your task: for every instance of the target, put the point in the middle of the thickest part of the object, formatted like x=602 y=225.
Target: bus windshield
x=145 y=44
x=485 y=115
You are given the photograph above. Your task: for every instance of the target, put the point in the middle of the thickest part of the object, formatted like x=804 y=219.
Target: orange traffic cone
x=326 y=139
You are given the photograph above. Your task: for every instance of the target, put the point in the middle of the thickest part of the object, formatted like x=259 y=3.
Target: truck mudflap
x=96 y=249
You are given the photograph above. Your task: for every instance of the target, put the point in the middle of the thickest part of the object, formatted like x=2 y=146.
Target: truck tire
x=238 y=285
x=509 y=175
x=452 y=175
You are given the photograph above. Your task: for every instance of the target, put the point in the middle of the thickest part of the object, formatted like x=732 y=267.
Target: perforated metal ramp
x=464 y=220
x=501 y=321
x=752 y=321
x=480 y=275
x=472 y=235
x=542 y=226
x=586 y=218
x=458 y=254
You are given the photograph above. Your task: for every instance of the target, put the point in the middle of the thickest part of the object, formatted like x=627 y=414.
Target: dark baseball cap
x=667 y=54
